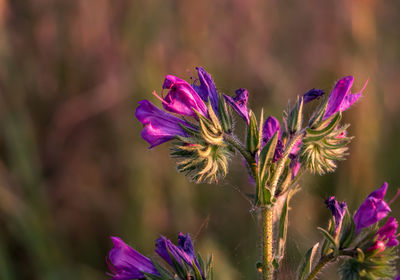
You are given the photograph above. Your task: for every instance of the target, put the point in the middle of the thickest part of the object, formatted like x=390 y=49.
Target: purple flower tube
x=158 y=126
x=125 y=263
x=338 y=210
x=372 y=210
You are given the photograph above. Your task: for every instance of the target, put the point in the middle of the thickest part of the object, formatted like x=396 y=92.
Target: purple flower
x=338 y=210
x=182 y=99
x=312 y=94
x=387 y=233
x=182 y=253
x=341 y=98
x=239 y=103
x=207 y=89
x=295 y=165
x=159 y=126
x=271 y=126
x=372 y=210
x=126 y=263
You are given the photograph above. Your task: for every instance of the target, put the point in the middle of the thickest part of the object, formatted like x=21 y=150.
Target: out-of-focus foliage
x=74 y=170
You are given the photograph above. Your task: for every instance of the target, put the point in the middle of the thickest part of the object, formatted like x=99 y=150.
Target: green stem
x=267 y=237
x=327 y=259
x=320 y=265
x=232 y=140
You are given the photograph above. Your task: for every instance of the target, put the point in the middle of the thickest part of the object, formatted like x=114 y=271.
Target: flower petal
x=239 y=103
x=182 y=98
x=207 y=89
x=159 y=126
x=338 y=94
x=128 y=263
x=312 y=94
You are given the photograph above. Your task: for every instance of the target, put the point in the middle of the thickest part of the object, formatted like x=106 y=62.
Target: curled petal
x=381 y=192
x=207 y=89
x=338 y=94
x=350 y=99
x=182 y=99
x=239 y=103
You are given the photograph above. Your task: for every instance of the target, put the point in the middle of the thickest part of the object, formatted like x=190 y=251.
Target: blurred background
x=74 y=169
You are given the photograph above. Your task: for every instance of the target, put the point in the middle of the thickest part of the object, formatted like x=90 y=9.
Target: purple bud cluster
x=126 y=263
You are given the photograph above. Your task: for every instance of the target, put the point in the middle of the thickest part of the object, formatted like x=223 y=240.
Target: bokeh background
x=74 y=170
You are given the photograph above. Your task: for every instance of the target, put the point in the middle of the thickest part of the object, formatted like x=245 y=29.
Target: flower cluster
x=199 y=120
x=199 y=149
x=125 y=263
x=366 y=246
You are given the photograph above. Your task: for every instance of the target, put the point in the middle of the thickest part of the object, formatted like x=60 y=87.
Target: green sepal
x=252 y=140
x=307 y=263
x=318 y=116
x=197 y=273
x=267 y=154
x=330 y=239
x=224 y=114
x=164 y=273
x=295 y=118
x=209 y=268
x=190 y=131
x=283 y=225
x=149 y=276
x=266 y=196
x=211 y=130
x=327 y=127
x=260 y=130
x=349 y=232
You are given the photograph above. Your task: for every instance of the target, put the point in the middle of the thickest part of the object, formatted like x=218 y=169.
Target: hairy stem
x=327 y=259
x=320 y=265
x=267 y=237
x=238 y=145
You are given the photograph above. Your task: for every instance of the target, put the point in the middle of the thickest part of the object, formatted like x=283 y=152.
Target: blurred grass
x=74 y=170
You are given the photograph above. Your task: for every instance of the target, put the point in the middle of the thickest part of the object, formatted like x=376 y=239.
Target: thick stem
x=267 y=237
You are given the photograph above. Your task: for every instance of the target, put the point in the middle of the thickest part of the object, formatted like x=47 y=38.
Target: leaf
x=319 y=115
x=283 y=224
x=295 y=117
x=349 y=234
x=267 y=153
x=308 y=260
x=224 y=114
x=330 y=238
x=252 y=140
x=266 y=196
